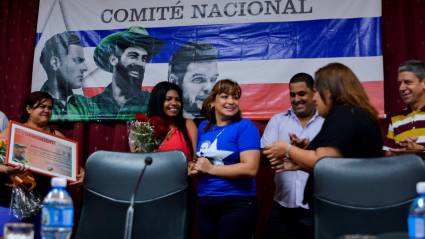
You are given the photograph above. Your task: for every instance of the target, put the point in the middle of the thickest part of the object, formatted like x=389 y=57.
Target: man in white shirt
x=289 y=217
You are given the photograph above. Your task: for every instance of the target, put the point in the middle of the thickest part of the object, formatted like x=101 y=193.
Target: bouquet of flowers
x=2 y=150
x=146 y=134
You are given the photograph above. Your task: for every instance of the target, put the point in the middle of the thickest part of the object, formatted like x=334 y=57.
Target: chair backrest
x=160 y=209
x=364 y=196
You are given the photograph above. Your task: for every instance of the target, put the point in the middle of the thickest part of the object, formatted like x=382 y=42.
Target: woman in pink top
x=166 y=102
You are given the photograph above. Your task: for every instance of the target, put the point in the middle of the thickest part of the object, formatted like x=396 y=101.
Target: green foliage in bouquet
x=146 y=134
x=2 y=151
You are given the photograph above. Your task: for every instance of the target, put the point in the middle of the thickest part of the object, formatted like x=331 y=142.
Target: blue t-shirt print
x=210 y=150
x=223 y=145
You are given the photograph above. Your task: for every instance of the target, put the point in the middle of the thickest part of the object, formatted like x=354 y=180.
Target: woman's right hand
x=11 y=170
x=275 y=150
x=283 y=165
x=276 y=164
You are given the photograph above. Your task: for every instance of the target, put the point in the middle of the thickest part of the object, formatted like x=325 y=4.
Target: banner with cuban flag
x=99 y=59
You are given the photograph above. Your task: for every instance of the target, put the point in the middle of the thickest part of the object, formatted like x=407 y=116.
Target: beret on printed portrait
x=194 y=52
x=134 y=36
x=20 y=146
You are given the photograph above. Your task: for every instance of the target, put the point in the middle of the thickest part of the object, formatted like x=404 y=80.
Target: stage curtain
x=403 y=38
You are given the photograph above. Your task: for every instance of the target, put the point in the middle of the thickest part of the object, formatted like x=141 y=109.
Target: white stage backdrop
x=260 y=44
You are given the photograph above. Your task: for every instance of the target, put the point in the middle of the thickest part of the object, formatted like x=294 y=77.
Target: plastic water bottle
x=416 y=219
x=58 y=212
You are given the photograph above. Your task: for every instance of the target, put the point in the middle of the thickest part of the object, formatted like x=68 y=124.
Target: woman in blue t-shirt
x=228 y=153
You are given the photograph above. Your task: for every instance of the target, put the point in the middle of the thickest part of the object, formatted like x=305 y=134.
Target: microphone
x=148 y=160
x=130 y=211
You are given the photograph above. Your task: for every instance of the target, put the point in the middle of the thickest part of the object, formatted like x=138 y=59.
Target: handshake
x=277 y=154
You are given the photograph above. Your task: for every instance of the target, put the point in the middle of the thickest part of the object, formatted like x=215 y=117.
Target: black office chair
x=160 y=209
x=364 y=196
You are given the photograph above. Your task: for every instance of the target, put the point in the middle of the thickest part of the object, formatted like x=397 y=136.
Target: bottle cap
x=420 y=187
x=58 y=182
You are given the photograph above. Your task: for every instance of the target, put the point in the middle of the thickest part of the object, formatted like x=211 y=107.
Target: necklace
x=219 y=133
x=170 y=133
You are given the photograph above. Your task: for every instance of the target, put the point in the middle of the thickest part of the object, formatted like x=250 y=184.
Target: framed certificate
x=42 y=152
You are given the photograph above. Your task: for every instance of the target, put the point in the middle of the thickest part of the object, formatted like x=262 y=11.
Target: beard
x=130 y=76
x=191 y=108
x=308 y=110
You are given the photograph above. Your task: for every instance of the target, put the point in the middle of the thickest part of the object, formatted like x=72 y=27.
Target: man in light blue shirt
x=289 y=217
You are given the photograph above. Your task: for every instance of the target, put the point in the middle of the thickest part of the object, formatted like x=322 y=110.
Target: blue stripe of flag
x=355 y=37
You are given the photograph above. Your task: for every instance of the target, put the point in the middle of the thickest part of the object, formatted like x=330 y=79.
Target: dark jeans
x=227 y=217
x=289 y=223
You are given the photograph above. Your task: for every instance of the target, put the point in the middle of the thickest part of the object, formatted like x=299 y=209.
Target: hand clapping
x=300 y=143
x=275 y=150
x=276 y=155
x=408 y=145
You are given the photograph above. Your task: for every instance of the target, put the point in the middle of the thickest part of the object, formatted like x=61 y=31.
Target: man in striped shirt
x=406 y=132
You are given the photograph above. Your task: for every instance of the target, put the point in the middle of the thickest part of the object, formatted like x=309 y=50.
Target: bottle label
x=416 y=226
x=57 y=217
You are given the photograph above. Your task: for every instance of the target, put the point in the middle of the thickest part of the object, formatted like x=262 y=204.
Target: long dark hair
x=222 y=86
x=156 y=108
x=34 y=100
x=344 y=88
